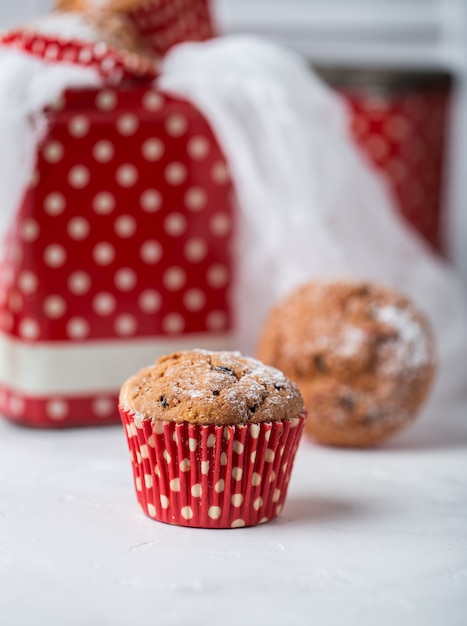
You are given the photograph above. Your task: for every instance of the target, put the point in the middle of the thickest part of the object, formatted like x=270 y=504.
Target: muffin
x=363 y=357
x=110 y=19
x=212 y=438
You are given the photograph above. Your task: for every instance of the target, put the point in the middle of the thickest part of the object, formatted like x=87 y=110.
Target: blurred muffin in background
x=111 y=19
x=362 y=355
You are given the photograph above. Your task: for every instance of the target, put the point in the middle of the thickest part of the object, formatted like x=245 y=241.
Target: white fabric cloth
x=27 y=85
x=309 y=204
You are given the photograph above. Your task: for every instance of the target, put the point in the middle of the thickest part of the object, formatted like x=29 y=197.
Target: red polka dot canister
x=120 y=248
x=399 y=119
x=121 y=243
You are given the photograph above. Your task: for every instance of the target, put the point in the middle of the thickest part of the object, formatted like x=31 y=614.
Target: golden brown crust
x=363 y=357
x=110 y=19
x=202 y=387
x=111 y=6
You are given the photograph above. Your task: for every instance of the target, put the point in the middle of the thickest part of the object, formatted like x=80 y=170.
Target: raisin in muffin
x=212 y=437
x=362 y=355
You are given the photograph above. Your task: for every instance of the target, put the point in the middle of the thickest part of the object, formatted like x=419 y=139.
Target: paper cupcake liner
x=212 y=476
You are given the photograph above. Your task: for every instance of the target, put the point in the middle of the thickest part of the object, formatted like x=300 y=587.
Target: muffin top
x=348 y=329
x=203 y=387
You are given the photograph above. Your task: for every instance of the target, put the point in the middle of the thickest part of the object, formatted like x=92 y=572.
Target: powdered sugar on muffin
x=205 y=387
x=212 y=438
x=362 y=355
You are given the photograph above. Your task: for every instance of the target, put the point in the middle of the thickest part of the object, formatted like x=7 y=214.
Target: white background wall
x=13 y=12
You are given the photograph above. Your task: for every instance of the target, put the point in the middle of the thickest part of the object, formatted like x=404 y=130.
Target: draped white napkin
x=27 y=85
x=309 y=203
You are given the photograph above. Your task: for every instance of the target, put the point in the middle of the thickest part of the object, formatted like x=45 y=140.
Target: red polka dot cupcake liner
x=210 y=476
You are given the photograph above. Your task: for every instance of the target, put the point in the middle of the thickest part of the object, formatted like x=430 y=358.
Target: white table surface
x=372 y=537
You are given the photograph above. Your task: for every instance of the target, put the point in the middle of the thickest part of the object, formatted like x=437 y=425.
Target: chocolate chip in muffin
x=200 y=386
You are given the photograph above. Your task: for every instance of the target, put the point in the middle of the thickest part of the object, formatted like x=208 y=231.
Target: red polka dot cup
x=209 y=476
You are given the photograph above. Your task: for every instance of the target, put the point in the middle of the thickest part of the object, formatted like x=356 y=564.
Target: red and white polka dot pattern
x=212 y=476
x=121 y=235
x=161 y=24
x=164 y=23
x=403 y=133
x=56 y=411
x=92 y=240
x=113 y=64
